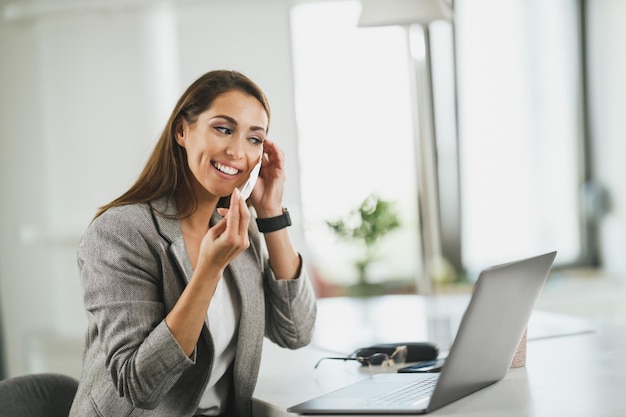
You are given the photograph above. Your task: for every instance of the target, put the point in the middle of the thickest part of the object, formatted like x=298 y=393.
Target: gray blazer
x=133 y=266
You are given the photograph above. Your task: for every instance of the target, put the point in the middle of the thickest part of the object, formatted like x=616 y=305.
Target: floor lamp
x=417 y=15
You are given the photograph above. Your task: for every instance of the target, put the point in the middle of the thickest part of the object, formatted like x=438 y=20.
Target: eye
x=224 y=130
x=255 y=140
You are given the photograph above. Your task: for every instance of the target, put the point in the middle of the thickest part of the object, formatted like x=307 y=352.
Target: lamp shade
x=403 y=12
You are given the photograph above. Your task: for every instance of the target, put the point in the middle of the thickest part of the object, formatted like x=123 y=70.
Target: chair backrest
x=36 y=395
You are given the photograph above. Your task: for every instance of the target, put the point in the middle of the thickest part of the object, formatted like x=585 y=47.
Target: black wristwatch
x=272 y=224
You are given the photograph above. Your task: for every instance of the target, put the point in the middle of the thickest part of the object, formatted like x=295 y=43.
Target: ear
x=180 y=131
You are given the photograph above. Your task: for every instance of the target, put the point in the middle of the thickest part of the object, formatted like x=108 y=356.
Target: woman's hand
x=267 y=195
x=229 y=237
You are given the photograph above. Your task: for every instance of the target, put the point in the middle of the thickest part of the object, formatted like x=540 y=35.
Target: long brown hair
x=166 y=173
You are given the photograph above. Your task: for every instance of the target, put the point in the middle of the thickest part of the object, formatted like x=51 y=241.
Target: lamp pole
x=425 y=149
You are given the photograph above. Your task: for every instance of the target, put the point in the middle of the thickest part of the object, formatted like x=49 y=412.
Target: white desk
x=574 y=367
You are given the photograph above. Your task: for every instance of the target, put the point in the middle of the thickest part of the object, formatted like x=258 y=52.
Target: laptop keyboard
x=405 y=395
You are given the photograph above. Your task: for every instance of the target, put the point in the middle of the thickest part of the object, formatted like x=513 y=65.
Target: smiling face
x=225 y=142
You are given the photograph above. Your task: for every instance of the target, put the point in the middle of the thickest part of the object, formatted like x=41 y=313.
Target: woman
x=178 y=289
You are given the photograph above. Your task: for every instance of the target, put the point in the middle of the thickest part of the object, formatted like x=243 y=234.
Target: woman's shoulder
x=135 y=221
x=126 y=214
x=137 y=212
x=129 y=222
x=117 y=227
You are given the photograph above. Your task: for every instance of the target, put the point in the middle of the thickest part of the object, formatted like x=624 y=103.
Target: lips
x=228 y=170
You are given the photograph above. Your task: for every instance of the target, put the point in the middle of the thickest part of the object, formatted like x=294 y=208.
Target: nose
x=235 y=147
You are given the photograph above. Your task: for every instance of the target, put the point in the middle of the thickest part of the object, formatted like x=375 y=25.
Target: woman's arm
x=121 y=266
x=267 y=198
x=290 y=306
x=219 y=246
x=283 y=257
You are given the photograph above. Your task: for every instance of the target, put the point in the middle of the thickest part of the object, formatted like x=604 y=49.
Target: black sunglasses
x=367 y=357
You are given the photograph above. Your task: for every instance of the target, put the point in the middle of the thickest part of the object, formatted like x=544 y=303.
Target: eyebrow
x=233 y=121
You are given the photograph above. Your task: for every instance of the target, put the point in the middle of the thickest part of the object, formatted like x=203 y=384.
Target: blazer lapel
x=164 y=213
x=179 y=253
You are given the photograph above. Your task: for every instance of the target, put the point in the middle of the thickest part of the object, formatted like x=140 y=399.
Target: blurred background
x=524 y=105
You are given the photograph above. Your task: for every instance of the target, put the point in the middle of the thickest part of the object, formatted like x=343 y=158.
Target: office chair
x=2 y=360
x=37 y=395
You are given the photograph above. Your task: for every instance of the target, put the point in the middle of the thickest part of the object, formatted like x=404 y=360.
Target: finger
x=275 y=155
x=269 y=147
x=233 y=215
x=218 y=228
x=222 y=211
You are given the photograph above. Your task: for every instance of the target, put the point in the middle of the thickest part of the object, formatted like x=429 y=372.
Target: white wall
x=85 y=93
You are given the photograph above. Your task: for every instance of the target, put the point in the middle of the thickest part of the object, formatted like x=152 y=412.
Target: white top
x=223 y=316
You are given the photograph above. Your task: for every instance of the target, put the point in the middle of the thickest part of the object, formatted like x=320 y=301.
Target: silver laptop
x=483 y=349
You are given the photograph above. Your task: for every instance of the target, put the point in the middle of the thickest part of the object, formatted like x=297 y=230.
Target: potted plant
x=366 y=225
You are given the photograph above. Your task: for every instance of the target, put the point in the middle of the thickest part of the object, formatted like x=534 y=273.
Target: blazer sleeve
x=120 y=267
x=290 y=305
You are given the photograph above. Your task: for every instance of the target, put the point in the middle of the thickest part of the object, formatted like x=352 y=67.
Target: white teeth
x=226 y=169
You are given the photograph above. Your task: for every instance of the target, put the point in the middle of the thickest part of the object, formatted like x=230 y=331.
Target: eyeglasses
x=365 y=357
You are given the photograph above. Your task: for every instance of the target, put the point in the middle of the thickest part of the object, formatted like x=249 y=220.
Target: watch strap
x=272 y=224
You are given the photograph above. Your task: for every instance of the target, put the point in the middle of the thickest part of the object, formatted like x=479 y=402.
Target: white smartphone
x=246 y=189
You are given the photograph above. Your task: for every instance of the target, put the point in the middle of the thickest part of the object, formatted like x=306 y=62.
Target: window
x=353 y=109
x=520 y=129
x=519 y=162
